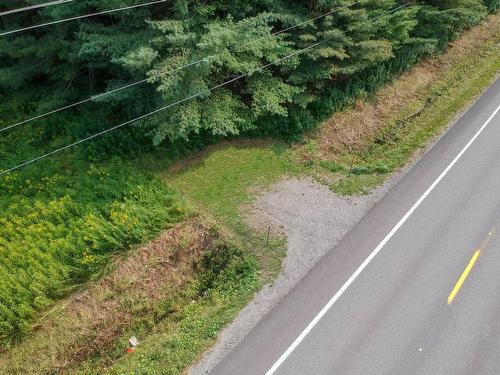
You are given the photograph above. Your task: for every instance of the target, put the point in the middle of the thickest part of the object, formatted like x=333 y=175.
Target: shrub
x=61 y=229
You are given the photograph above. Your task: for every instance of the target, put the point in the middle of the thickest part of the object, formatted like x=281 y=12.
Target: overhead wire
x=201 y=93
x=10 y=32
x=192 y=63
x=34 y=7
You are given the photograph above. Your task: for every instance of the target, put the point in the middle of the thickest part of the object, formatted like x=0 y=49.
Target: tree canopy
x=50 y=67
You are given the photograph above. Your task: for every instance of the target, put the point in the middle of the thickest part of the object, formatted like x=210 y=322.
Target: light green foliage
x=270 y=95
x=138 y=59
x=61 y=229
x=223 y=114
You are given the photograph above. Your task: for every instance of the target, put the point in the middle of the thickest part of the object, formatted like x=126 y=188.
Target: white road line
x=379 y=247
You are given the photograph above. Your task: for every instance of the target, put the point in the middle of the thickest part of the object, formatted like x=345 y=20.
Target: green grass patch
x=225 y=182
x=356 y=184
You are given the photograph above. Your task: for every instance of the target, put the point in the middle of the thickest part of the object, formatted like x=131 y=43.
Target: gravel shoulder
x=314 y=219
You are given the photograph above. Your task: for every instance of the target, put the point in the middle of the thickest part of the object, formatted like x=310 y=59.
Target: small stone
x=133 y=341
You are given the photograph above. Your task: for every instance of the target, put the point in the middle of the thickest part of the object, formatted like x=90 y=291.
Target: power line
x=206 y=58
x=33 y=7
x=80 y=17
x=201 y=93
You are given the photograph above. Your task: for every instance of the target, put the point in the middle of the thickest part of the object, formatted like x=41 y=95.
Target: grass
x=357 y=184
x=226 y=181
x=222 y=181
x=454 y=81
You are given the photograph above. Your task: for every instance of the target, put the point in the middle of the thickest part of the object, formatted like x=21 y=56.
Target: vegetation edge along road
x=212 y=271
x=66 y=215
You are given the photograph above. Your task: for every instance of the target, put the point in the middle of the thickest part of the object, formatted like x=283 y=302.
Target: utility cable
x=206 y=58
x=80 y=17
x=201 y=93
x=33 y=7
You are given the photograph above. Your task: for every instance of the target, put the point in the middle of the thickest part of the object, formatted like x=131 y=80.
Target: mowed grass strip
x=225 y=179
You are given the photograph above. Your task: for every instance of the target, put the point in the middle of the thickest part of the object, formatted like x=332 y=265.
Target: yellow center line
x=462 y=278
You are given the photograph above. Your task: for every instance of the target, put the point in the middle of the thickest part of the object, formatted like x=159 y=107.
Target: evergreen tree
x=49 y=67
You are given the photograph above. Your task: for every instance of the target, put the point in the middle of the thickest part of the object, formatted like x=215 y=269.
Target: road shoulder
x=303 y=206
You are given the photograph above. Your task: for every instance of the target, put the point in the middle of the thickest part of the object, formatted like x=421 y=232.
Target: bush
x=60 y=230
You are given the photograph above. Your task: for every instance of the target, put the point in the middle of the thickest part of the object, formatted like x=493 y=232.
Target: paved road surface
x=394 y=318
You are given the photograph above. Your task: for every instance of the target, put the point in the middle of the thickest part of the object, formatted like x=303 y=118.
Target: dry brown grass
x=354 y=128
x=90 y=322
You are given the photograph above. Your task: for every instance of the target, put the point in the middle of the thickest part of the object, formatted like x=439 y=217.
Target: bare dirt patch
x=91 y=322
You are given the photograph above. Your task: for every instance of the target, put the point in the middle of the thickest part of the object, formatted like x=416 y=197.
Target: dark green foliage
x=492 y=5
x=444 y=20
x=46 y=68
x=223 y=266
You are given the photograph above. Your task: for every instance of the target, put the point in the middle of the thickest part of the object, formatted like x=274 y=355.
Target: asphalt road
x=393 y=316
